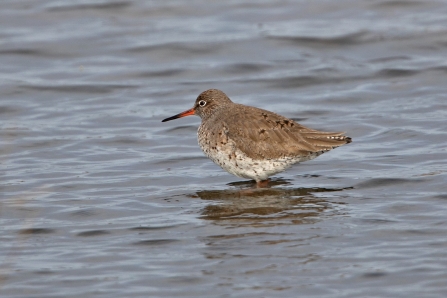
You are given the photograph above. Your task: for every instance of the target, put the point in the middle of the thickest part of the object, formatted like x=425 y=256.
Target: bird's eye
x=202 y=103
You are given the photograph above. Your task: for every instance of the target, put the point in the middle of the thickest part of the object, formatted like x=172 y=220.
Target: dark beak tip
x=168 y=119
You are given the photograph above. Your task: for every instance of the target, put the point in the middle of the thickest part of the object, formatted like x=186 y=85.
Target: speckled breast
x=224 y=152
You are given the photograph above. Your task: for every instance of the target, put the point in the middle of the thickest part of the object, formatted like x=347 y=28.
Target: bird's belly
x=235 y=162
x=246 y=167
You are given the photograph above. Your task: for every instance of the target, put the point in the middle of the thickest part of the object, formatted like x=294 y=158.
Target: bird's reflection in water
x=300 y=205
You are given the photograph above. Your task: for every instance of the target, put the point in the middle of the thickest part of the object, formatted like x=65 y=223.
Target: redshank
x=254 y=143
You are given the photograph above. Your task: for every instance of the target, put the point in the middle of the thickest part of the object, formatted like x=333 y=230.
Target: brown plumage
x=254 y=143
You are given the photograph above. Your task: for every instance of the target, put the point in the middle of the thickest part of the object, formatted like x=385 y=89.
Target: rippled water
x=101 y=199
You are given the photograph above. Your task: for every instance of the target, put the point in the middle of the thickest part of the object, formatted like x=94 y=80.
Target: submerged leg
x=263 y=183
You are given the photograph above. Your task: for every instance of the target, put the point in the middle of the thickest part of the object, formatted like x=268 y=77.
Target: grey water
x=98 y=198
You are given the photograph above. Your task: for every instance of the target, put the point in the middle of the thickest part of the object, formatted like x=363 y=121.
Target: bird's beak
x=189 y=112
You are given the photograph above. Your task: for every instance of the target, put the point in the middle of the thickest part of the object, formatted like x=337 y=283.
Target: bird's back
x=262 y=134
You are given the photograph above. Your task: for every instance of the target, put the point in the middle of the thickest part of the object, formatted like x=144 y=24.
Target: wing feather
x=263 y=134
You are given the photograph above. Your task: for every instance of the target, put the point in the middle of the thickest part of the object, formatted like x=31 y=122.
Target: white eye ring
x=202 y=103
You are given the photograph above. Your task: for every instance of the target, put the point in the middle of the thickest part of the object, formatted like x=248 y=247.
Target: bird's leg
x=263 y=183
